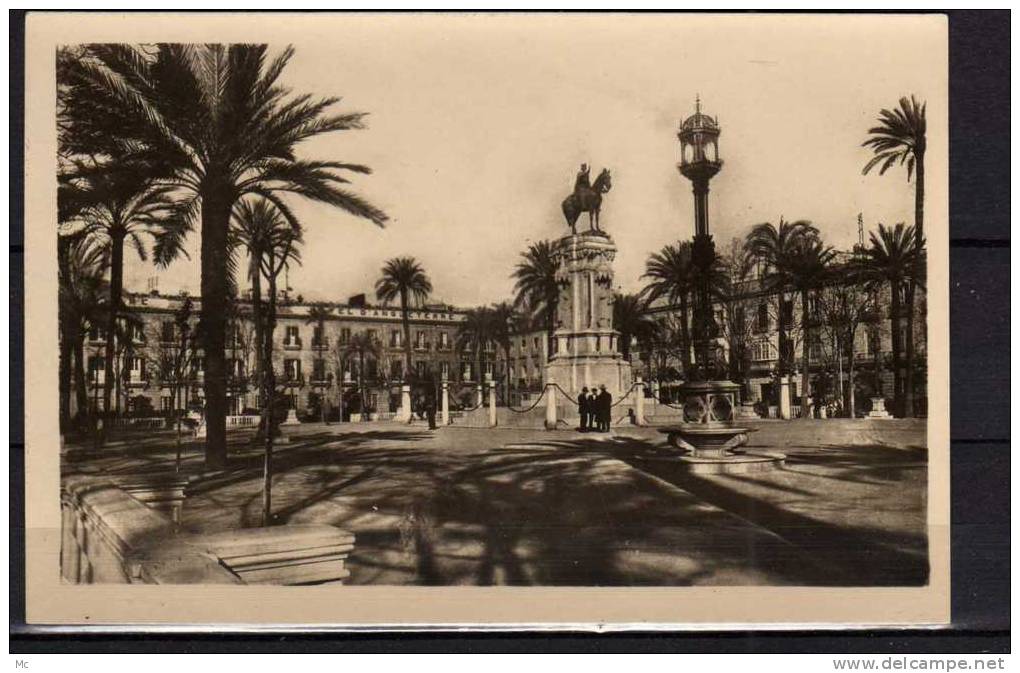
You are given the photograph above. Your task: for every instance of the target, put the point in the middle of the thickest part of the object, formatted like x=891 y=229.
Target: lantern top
x=699 y=121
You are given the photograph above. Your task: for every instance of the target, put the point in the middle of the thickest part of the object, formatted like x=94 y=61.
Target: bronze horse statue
x=586 y=199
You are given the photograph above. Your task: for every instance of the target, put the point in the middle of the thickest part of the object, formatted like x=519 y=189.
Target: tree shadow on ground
x=856 y=555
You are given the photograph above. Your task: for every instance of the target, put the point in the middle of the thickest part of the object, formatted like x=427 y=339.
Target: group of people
x=595 y=407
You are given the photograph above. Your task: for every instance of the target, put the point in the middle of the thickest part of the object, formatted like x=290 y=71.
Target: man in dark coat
x=604 y=405
x=584 y=409
x=430 y=405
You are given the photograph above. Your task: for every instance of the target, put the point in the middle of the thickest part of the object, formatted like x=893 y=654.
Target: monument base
x=878 y=408
x=572 y=373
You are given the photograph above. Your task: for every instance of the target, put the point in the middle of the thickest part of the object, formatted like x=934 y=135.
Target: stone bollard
x=784 y=397
x=479 y=396
x=404 y=413
x=550 y=407
x=492 y=404
x=445 y=408
x=655 y=394
x=639 y=404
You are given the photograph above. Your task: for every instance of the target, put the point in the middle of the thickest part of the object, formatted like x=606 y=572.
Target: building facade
x=161 y=366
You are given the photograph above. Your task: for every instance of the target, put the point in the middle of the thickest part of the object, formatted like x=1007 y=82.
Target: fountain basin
x=711 y=448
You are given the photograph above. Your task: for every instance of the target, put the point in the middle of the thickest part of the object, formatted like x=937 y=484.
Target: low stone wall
x=110 y=536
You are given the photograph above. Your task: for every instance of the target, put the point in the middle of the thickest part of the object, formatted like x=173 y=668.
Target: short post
x=550 y=407
x=784 y=397
x=445 y=409
x=639 y=404
x=492 y=403
x=404 y=414
x=655 y=394
x=479 y=400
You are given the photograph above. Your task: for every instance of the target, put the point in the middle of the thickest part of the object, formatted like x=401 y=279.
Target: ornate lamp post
x=708 y=435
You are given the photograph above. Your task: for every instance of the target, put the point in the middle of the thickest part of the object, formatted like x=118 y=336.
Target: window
x=395 y=338
x=345 y=335
x=537 y=345
x=372 y=334
x=465 y=371
x=292 y=369
x=291 y=337
x=166 y=403
x=419 y=340
x=167 y=331
x=137 y=366
x=421 y=368
x=397 y=370
x=762 y=322
x=738 y=320
x=444 y=369
x=319 y=369
x=97 y=333
x=371 y=369
x=318 y=336
x=444 y=340
x=762 y=351
x=787 y=313
x=874 y=343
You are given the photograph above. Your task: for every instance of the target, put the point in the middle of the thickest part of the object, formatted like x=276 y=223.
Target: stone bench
x=110 y=536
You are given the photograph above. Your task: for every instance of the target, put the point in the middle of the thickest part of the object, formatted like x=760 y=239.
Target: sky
x=477 y=126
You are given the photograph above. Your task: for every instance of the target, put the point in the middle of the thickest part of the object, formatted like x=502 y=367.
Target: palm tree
x=219 y=125
x=474 y=334
x=671 y=275
x=317 y=315
x=505 y=321
x=82 y=293
x=631 y=320
x=891 y=257
x=774 y=248
x=404 y=278
x=272 y=244
x=536 y=287
x=900 y=138
x=116 y=204
x=808 y=270
x=362 y=347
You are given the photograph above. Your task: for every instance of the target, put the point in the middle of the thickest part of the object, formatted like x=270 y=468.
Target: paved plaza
x=520 y=507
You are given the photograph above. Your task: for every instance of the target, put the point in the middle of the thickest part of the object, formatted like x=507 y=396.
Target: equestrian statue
x=587 y=198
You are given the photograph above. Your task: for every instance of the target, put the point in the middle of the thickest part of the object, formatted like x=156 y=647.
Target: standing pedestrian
x=584 y=409
x=430 y=405
x=605 y=407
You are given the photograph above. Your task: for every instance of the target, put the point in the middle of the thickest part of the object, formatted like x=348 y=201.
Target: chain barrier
x=524 y=411
x=668 y=404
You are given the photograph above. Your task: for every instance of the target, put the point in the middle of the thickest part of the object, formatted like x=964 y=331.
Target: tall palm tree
x=216 y=121
x=631 y=320
x=362 y=347
x=404 y=278
x=82 y=292
x=505 y=323
x=900 y=138
x=774 y=248
x=536 y=287
x=808 y=270
x=115 y=204
x=474 y=334
x=891 y=258
x=272 y=244
x=670 y=272
x=318 y=314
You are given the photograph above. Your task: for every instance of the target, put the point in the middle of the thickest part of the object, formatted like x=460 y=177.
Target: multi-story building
x=162 y=368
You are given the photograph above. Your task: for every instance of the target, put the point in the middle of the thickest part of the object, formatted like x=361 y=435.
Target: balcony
x=321 y=343
x=421 y=347
x=292 y=344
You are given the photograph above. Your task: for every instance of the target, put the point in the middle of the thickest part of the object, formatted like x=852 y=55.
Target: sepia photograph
x=536 y=303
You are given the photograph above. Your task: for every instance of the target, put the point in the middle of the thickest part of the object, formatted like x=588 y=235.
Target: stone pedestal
x=784 y=397
x=585 y=350
x=445 y=406
x=878 y=408
x=292 y=418
x=403 y=414
x=492 y=403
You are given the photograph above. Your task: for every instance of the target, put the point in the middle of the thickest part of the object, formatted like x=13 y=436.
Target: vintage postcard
x=493 y=320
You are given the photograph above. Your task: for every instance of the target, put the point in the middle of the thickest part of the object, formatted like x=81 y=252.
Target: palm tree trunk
x=66 y=348
x=851 y=402
x=805 y=384
x=550 y=329
x=269 y=402
x=259 y=319
x=405 y=320
x=895 y=310
x=908 y=385
x=216 y=204
x=116 y=289
x=81 y=391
